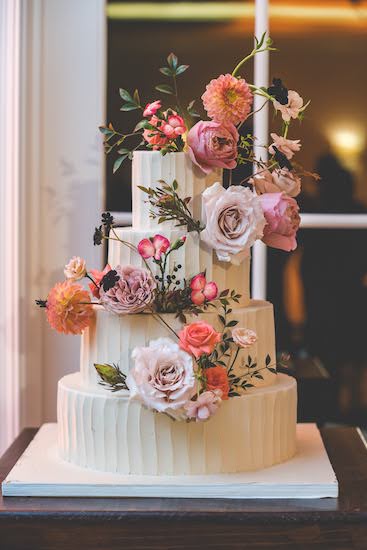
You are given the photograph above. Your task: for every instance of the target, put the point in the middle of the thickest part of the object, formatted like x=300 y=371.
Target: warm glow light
x=225 y=11
x=347 y=140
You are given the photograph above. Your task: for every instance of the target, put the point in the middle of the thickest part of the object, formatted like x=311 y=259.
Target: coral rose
x=244 y=337
x=217 y=379
x=205 y=406
x=212 y=144
x=162 y=377
x=227 y=99
x=234 y=220
x=198 y=338
x=283 y=219
x=131 y=293
x=75 y=269
x=68 y=308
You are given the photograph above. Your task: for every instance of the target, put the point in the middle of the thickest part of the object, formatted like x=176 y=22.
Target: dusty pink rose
x=283 y=219
x=286 y=146
x=162 y=377
x=152 y=108
x=132 y=292
x=212 y=144
x=75 y=269
x=174 y=126
x=234 y=221
x=154 y=247
x=155 y=138
x=244 y=337
x=198 y=338
x=292 y=108
x=286 y=181
x=201 y=290
x=205 y=406
x=227 y=99
x=97 y=277
x=68 y=308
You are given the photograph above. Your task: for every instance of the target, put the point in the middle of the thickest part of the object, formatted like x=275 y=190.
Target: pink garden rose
x=155 y=138
x=234 y=221
x=198 y=338
x=174 y=126
x=154 y=247
x=201 y=290
x=244 y=337
x=132 y=292
x=283 y=219
x=212 y=144
x=97 y=278
x=292 y=108
x=152 y=108
x=205 y=406
x=75 y=269
x=286 y=146
x=162 y=377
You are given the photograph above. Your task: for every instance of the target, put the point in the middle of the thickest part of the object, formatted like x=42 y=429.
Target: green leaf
x=124 y=94
x=140 y=125
x=172 y=60
x=166 y=71
x=165 y=89
x=224 y=293
x=267 y=360
x=222 y=319
x=274 y=371
x=136 y=97
x=233 y=394
x=129 y=107
x=232 y=323
x=181 y=69
x=118 y=163
x=175 y=185
x=106 y=131
x=259 y=376
x=249 y=359
x=123 y=151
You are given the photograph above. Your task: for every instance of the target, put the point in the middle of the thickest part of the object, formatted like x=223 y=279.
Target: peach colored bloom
x=264 y=183
x=286 y=181
x=217 y=379
x=75 y=269
x=205 y=406
x=152 y=108
x=155 y=138
x=286 y=146
x=292 y=108
x=283 y=219
x=244 y=337
x=68 y=308
x=97 y=277
x=227 y=99
x=199 y=338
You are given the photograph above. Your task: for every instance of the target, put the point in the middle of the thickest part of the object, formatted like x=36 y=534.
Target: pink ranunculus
x=283 y=219
x=286 y=181
x=163 y=377
x=155 y=138
x=75 y=269
x=202 y=291
x=97 y=277
x=198 y=338
x=155 y=247
x=212 y=144
x=152 y=108
x=286 y=146
x=292 y=108
x=174 y=126
x=132 y=293
x=205 y=406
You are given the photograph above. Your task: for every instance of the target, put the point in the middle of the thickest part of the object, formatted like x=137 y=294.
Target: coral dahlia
x=68 y=308
x=227 y=99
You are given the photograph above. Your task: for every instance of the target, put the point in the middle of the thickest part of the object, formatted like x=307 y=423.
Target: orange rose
x=217 y=379
x=199 y=338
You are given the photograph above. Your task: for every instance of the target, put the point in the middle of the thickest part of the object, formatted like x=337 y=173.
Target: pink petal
x=146 y=248
x=197 y=297
x=210 y=291
x=198 y=282
x=161 y=244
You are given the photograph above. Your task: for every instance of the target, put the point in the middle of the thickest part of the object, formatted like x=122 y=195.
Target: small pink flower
x=202 y=291
x=155 y=138
x=286 y=146
x=152 y=108
x=198 y=338
x=282 y=216
x=244 y=337
x=292 y=108
x=174 y=127
x=227 y=99
x=212 y=144
x=205 y=406
x=97 y=277
x=154 y=247
x=75 y=269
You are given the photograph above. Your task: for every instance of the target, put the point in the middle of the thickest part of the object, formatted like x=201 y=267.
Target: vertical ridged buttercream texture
x=107 y=432
x=111 y=339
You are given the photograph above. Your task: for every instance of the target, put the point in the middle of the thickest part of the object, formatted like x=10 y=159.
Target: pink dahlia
x=68 y=308
x=227 y=99
x=132 y=292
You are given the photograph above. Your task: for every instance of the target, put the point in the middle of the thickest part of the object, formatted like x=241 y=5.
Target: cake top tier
x=151 y=167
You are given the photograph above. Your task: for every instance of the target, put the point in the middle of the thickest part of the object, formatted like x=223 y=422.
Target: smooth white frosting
x=105 y=431
x=111 y=338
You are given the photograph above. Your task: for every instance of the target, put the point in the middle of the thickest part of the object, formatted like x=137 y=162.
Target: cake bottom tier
x=108 y=432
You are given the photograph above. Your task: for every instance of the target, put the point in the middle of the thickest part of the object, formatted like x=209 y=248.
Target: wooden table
x=175 y=524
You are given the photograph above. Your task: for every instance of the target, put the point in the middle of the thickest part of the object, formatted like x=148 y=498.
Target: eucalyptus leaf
x=124 y=94
x=181 y=69
x=165 y=89
x=166 y=71
x=129 y=107
x=118 y=163
x=172 y=60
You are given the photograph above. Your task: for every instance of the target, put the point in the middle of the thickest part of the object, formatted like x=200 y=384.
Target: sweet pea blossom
x=152 y=108
x=292 y=108
x=205 y=406
x=202 y=291
x=286 y=146
x=153 y=247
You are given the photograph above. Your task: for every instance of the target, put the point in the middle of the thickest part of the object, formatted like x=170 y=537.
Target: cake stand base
x=41 y=473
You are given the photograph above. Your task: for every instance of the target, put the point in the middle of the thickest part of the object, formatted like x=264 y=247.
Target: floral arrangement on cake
x=188 y=375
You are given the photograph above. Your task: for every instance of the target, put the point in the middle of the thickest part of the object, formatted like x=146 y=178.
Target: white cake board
x=41 y=473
